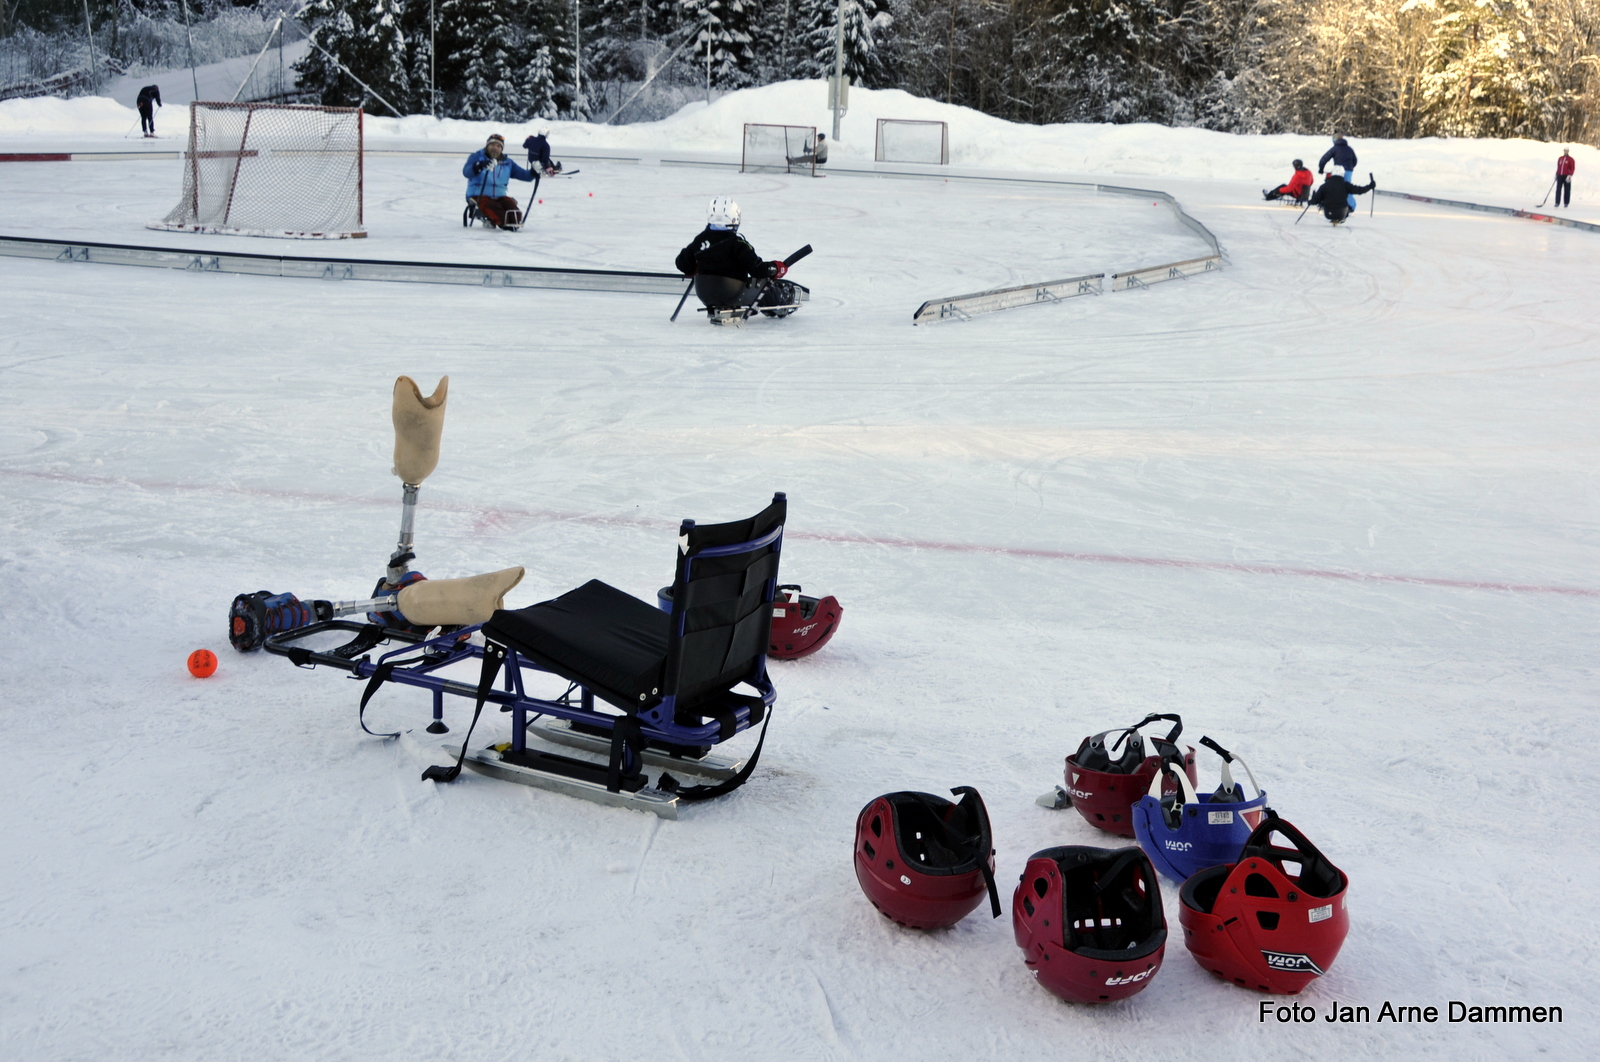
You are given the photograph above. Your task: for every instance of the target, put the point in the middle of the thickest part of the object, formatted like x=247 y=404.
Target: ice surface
x=1213 y=498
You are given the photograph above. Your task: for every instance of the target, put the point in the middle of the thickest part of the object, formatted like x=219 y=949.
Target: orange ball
x=202 y=663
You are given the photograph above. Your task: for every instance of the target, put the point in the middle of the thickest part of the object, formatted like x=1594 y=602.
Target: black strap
x=697 y=793
x=980 y=813
x=379 y=677
x=493 y=656
x=625 y=731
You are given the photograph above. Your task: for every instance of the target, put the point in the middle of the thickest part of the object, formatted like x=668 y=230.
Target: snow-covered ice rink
x=1336 y=505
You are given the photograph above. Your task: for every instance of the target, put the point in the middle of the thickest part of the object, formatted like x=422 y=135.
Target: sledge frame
x=417 y=660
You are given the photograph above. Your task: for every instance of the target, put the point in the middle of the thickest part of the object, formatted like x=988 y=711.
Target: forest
x=1386 y=68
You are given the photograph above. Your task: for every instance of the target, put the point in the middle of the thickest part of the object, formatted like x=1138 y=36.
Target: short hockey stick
x=1303 y=212
x=683 y=300
x=1547 y=192
x=1372 y=204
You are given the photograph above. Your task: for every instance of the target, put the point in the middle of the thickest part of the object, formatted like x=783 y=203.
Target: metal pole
x=433 y=95
x=838 y=71
x=708 y=63
x=194 y=79
x=89 y=27
x=577 y=56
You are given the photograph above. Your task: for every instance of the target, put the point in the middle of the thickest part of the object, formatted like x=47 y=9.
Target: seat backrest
x=718 y=293
x=722 y=603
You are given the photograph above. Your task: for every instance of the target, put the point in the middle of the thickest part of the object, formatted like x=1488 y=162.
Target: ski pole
x=1547 y=192
x=684 y=299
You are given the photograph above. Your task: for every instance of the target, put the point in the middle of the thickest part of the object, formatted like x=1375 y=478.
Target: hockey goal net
x=779 y=149
x=257 y=169
x=904 y=140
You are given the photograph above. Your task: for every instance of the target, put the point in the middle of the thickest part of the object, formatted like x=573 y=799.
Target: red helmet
x=1104 y=789
x=1089 y=922
x=1254 y=924
x=923 y=861
x=801 y=625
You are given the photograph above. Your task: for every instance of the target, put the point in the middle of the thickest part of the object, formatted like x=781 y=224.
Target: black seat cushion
x=611 y=642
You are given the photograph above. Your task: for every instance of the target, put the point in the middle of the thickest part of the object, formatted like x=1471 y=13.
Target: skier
x=1337 y=196
x=538 y=146
x=1565 y=166
x=488 y=173
x=728 y=273
x=1298 y=187
x=1343 y=157
x=149 y=99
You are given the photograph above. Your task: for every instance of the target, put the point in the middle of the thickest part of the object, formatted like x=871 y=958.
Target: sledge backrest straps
x=722 y=595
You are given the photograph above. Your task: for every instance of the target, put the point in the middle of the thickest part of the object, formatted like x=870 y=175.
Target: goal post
x=257 y=169
x=907 y=140
x=779 y=149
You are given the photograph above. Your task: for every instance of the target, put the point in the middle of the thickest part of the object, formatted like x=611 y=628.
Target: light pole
x=838 y=73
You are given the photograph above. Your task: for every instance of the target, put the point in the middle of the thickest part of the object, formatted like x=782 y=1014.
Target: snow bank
x=1516 y=172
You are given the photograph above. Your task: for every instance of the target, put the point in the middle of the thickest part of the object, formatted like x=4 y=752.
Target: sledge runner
x=488 y=172
x=1343 y=156
x=728 y=273
x=1565 y=166
x=1337 y=196
x=149 y=99
x=1297 y=187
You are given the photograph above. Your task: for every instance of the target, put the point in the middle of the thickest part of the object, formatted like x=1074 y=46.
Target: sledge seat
x=723 y=293
x=606 y=640
x=669 y=670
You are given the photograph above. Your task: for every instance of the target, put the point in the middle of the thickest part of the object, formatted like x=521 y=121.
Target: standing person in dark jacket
x=149 y=99
x=1565 y=166
x=1336 y=196
x=727 y=271
x=1343 y=157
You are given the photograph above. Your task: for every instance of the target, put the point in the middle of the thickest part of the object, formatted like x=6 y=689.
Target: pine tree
x=865 y=21
x=727 y=33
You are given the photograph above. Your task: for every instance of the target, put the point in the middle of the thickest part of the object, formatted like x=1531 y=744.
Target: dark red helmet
x=801 y=625
x=1089 y=922
x=1255 y=924
x=1112 y=771
x=924 y=861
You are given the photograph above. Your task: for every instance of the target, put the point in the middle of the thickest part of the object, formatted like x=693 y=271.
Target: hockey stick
x=1547 y=192
x=1372 y=204
x=683 y=300
x=1303 y=212
x=767 y=283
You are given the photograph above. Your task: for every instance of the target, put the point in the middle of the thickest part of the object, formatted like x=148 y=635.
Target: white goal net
x=903 y=140
x=779 y=149
x=256 y=169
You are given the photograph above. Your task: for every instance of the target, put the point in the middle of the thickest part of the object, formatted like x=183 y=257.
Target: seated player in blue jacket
x=488 y=172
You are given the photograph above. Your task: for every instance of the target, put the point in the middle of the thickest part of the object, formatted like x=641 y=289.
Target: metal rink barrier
x=1129 y=279
x=1513 y=212
x=963 y=307
x=319 y=268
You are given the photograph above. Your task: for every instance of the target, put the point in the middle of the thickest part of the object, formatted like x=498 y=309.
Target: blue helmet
x=1184 y=833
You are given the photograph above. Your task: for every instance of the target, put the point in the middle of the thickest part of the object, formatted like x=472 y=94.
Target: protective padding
x=457 y=602
x=1183 y=833
x=1105 y=799
x=1261 y=927
x=418 y=423
x=921 y=859
x=1089 y=922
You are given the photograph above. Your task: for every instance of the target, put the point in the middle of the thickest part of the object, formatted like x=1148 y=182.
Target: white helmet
x=724 y=212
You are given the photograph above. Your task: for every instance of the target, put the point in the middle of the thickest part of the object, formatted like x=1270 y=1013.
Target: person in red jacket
x=1298 y=188
x=1564 y=167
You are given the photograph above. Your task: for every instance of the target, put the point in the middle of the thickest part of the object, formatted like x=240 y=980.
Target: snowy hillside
x=1335 y=504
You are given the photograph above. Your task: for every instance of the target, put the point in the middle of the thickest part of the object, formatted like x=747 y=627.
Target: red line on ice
x=489 y=515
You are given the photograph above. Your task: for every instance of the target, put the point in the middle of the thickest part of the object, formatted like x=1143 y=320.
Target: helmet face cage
x=1089 y=922
x=1104 y=790
x=1184 y=833
x=923 y=861
x=1260 y=926
x=724 y=212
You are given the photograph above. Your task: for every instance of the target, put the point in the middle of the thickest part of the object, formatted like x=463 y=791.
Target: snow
x=1286 y=500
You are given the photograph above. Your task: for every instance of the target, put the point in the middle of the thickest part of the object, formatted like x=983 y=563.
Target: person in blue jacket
x=1344 y=157
x=488 y=172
